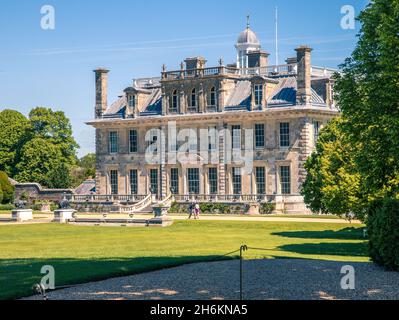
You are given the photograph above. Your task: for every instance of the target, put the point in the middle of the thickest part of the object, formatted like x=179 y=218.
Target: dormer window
x=132 y=101
x=258 y=91
x=212 y=97
x=175 y=103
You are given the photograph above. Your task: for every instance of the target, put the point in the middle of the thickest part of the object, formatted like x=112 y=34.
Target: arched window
x=212 y=97
x=175 y=103
x=193 y=100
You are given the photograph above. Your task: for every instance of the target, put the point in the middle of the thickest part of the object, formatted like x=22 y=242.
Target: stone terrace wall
x=36 y=192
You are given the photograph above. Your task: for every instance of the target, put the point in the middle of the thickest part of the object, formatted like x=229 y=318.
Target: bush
x=383 y=230
x=7 y=188
x=267 y=208
x=1 y=195
x=6 y=207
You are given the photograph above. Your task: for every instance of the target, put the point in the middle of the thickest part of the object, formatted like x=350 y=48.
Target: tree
x=59 y=177
x=368 y=95
x=85 y=168
x=38 y=158
x=88 y=162
x=332 y=184
x=55 y=127
x=14 y=128
x=7 y=189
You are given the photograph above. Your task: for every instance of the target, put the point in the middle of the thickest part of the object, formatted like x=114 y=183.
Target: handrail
x=167 y=201
x=135 y=207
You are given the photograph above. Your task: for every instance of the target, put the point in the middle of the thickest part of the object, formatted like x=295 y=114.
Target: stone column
x=305 y=149
x=163 y=173
x=222 y=160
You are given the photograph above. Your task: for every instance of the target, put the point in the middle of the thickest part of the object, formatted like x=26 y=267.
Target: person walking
x=196 y=211
x=190 y=210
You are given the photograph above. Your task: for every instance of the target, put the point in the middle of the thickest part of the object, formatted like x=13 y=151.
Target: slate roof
x=86 y=187
x=283 y=94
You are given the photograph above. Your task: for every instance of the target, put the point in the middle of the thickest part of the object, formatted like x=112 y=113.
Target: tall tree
x=14 y=128
x=56 y=128
x=332 y=184
x=368 y=95
x=38 y=158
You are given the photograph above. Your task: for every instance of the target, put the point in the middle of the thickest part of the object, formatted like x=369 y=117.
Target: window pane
x=133 y=181
x=285 y=179
x=113 y=142
x=316 y=128
x=236 y=137
x=259 y=135
x=154 y=181
x=258 y=95
x=236 y=173
x=213 y=180
x=114 y=181
x=284 y=134
x=260 y=180
x=174 y=181
x=133 y=140
x=193 y=181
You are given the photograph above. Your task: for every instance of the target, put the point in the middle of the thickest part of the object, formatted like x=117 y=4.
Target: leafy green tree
x=14 y=128
x=332 y=184
x=38 y=158
x=84 y=169
x=88 y=162
x=368 y=95
x=1 y=195
x=55 y=127
x=59 y=177
x=7 y=189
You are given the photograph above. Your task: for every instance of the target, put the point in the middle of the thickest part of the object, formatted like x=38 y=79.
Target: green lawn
x=80 y=254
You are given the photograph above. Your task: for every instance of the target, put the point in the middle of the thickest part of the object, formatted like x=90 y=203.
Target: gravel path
x=263 y=279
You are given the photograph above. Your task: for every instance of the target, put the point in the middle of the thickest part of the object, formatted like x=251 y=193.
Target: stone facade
x=280 y=108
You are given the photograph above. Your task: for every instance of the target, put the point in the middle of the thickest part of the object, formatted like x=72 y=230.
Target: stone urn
x=253 y=208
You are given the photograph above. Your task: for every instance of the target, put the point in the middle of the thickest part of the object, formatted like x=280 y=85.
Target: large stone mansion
x=245 y=129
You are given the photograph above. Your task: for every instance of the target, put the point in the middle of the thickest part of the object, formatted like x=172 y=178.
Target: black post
x=242 y=249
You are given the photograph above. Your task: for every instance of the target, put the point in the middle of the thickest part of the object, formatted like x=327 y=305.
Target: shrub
x=267 y=208
x=6 y=207
x=383 y=230
x=7 y=188
x=1 y=195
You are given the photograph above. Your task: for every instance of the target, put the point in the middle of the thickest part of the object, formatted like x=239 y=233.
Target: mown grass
x=81 y=254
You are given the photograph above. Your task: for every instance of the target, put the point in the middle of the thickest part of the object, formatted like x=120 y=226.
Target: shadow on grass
x=343 y=234
x=17 y=276
x=331 y=249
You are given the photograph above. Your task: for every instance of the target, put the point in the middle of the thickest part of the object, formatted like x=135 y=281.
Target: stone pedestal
x=63 y=215
x=21 y=215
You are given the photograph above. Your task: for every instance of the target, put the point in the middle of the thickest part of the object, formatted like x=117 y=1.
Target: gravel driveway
x=263 y=279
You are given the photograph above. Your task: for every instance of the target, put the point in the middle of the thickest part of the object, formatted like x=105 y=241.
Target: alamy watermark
x=47 y=21
x=348 y=19
x=190 y=146
x=348 y=280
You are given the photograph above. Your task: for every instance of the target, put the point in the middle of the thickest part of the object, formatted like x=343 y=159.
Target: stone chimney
x=257 y=59
x=195 y=63
x=304 y=85
x=101 y=91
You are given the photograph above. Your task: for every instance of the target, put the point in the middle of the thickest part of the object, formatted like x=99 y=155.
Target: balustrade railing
x=131 y=198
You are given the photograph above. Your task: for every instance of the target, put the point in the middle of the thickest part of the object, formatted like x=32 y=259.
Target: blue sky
x=53 y=68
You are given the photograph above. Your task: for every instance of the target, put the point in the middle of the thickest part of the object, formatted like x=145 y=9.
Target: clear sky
x=53 y=68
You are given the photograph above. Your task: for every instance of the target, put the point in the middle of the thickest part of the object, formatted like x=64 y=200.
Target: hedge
x=383 y=231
